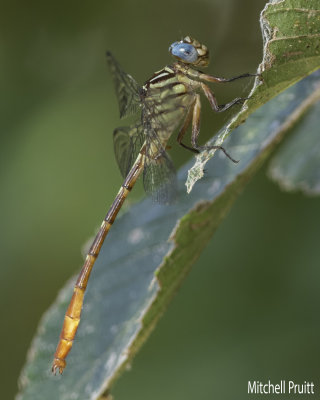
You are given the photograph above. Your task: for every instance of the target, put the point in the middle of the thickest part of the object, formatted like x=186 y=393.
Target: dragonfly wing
x=127 y=89
x=159 y=179
x=127 y=143
x=159 y=175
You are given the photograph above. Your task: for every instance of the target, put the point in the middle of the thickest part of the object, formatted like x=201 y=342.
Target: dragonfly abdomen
x=73 y=313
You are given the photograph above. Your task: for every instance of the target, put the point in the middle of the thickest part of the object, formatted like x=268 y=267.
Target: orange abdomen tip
x=58 y=365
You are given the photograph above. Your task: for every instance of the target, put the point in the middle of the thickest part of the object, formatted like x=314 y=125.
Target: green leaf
x=296 y=165
x=291 y=35
x=139 y=269
x=124 y=299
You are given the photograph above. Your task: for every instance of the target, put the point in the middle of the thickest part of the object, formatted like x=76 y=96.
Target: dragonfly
x=167 y=102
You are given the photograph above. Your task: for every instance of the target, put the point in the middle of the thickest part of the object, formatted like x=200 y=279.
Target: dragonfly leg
x=196 y=131
x=196 y=123
x=213 y=101
x=184 y=128
x=215 y=79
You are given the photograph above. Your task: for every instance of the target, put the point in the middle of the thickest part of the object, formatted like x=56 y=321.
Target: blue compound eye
x=185 y=51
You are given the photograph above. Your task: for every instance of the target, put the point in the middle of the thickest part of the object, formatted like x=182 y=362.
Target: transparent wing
x=127 y=89
x=159 y=175
x=127 y=143
x=159 y=179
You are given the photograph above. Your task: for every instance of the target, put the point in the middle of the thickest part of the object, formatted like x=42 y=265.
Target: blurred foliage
x=297 y=165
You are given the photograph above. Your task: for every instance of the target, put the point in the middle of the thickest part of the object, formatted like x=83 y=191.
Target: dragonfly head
x=190 y=51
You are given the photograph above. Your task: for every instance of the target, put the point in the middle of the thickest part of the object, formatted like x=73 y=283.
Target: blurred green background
x=249 y=308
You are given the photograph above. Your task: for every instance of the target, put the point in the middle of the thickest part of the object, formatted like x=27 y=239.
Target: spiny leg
x=213 y=101
x=215 y=79
x=196 y=131
x=184 y=128
x=196 y=123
